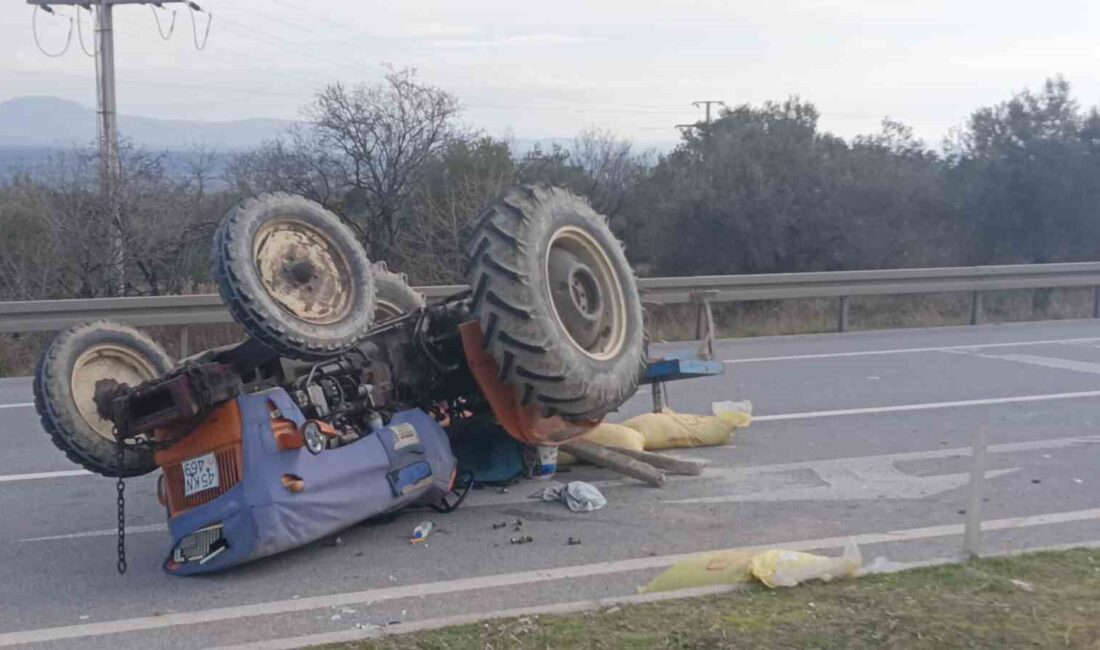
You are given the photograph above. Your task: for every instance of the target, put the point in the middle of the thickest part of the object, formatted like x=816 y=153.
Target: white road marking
x=11 y=478
x=130 y=530
x=1047 y=362
x=556 y=609
x=504 y=580
x=918 y=455
x=926 y=406
x=747 y=479
x=905 y=456
x=756 y=479
x=851 y=482
x=20 y=405
x=942 y=348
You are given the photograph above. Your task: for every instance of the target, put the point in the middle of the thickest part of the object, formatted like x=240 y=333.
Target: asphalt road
x=862 y=436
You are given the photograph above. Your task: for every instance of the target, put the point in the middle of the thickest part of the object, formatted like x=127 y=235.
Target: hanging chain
x=120 y=487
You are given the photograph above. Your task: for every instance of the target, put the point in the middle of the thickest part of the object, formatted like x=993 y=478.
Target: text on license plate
x=200 y=474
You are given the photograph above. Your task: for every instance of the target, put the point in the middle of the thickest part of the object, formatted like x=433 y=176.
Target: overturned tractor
x=339 y=405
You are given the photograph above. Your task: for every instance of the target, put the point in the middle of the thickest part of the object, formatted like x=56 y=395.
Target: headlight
x=315 y=438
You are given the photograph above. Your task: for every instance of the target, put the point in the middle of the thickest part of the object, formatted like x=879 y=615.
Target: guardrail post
x=975 y=307
x=842 y=320
x=185 y=343
x=1096 y=302
x=972 y=535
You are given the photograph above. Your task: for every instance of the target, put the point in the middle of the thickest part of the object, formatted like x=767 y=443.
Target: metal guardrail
x=45 y=315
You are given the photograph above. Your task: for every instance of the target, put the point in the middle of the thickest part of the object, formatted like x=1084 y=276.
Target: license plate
x=200 y=474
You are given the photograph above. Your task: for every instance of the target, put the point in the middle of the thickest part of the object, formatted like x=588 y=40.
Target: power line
x=171 y=26
x=80 y=34
x=38 y=44
x=193 y=9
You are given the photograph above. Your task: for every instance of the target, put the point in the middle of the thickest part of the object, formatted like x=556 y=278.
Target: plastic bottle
x=421 y=532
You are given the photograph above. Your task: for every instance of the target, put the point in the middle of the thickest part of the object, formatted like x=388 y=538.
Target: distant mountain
x=33 y=129
x=48 y=122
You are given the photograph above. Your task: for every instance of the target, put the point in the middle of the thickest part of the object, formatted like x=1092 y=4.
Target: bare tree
x=28 y=261
x=610 y=168
x=294 y=163
x=57 y=235
x=455 y=188
x=166 y=224
x=380 y=138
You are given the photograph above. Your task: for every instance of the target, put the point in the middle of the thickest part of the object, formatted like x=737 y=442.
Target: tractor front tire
x=64 y=386
x=294 y=276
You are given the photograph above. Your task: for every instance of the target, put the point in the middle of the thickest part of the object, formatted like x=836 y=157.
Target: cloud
x=537 y=39
x=540 y=38
x=436 y=30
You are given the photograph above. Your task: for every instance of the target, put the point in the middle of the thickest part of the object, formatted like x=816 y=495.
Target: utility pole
x=110 y=167
x=706 y=104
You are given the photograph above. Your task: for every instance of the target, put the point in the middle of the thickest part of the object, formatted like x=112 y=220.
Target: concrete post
x=976 y=307
x=185 y=343
x=972 y=536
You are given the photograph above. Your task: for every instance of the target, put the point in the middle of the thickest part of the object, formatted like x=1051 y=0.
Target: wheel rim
x=105 y=361
x=385 y=310
x=586 y=295
x=303 y=272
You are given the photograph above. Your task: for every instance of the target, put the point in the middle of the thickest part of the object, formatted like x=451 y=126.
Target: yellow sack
x=615 y=435
x=668 y=429
x=705 y=569
x=780 y=568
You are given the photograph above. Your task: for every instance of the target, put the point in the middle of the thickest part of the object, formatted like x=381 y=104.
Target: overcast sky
x=551 y=68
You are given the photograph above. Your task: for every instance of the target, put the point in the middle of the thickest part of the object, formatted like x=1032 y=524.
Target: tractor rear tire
x=393 y=295
x=294 y=276
x=64 y=385
x=557 y=303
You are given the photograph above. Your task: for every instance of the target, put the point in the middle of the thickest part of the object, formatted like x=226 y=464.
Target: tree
x=762 y=190
x=295 y=163
x=361 y=154
x=741 y=194
x=453 y=190
x=1025 y=173
x=57 y=234
x=380 y=138
x=611 y=169
x=597 y=165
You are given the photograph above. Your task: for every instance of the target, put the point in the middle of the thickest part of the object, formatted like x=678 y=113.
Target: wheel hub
x=585 y=293
x=101 y=364
x=303 y=272
x=576 y=296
